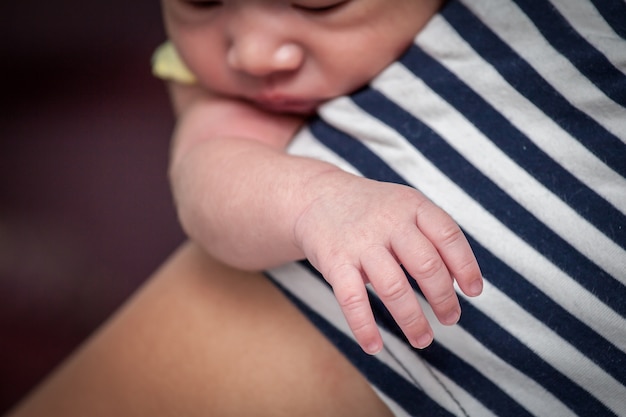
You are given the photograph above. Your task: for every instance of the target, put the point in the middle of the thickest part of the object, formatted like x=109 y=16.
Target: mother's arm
x=203 y=339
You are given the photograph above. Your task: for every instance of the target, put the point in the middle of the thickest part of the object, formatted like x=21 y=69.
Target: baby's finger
x=423 y=263
x=453 y=247
x=351 y=293
x=395 y=291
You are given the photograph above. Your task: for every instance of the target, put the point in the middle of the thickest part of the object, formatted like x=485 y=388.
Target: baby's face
x=292 y=55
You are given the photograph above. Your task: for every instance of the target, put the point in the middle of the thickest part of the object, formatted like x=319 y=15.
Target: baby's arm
x=253 y=206
x=222 y=152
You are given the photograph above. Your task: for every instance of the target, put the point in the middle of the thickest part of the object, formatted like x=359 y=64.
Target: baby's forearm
x=240 y=199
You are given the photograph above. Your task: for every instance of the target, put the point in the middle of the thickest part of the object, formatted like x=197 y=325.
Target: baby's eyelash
x=203 y=4
x=320 y=9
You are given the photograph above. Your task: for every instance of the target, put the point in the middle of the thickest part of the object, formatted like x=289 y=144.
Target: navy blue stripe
x=410 y=398
x=614 y=13
x=353 y=151
x=465 y=175
x=516 y=145
x=606 y=146
x=563 y=37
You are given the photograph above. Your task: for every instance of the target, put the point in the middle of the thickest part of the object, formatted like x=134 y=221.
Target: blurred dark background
x=85 y=210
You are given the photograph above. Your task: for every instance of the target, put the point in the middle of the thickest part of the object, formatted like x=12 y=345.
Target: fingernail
x=373 y=348
x=453 y=317
x=476 y=287
x=424 y=340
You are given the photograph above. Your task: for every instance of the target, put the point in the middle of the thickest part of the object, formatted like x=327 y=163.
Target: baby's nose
x=262 y=57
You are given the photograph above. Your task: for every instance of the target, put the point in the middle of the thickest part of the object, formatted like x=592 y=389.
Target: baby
x=253 y=72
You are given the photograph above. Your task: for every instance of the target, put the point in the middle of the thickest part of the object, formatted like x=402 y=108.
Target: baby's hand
x=359 y=230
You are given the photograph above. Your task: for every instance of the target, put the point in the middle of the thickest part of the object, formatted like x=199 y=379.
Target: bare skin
x=202 y=339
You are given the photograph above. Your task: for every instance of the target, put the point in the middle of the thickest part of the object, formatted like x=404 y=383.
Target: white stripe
x=471 y=406
x=491 y=161
x=458 y=57
x=306 y=145
x=443 y=390
x=519 y=32
x=396 y=410
x=485 y=228
x=590 y=24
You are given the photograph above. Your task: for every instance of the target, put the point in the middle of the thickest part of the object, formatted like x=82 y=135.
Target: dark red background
x=85 y=210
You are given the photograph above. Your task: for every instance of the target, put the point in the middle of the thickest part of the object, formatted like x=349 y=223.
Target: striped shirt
x=511 y=116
